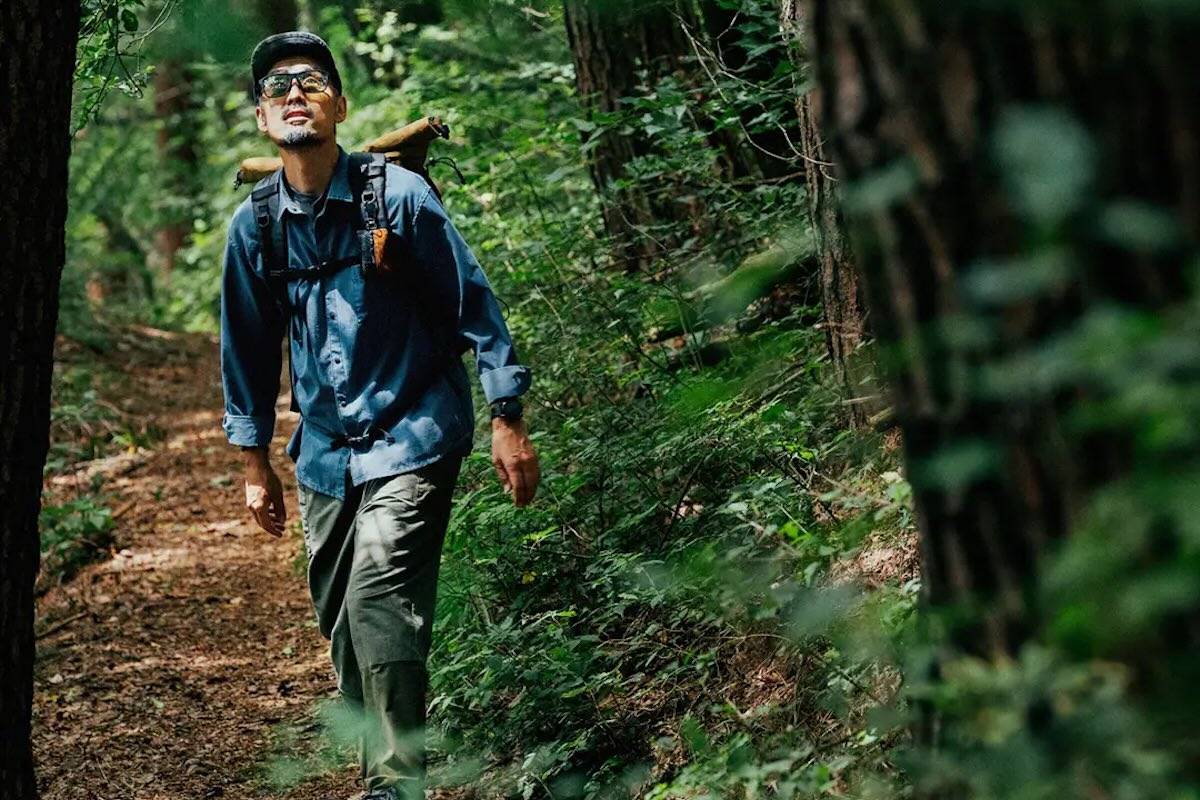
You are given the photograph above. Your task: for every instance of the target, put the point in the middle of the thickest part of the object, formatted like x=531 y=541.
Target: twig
x=123 y=510
x=58 y=626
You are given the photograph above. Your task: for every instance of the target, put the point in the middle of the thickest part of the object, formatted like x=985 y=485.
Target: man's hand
x=264 y=492
x=514 y=459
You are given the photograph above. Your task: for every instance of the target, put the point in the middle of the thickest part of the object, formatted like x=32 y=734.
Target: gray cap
x=279 y=46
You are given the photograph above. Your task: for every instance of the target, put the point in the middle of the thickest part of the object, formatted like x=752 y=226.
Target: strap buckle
x=355 y=442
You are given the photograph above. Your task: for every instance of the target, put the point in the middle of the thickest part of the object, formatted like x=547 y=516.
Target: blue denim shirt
x=363 y=354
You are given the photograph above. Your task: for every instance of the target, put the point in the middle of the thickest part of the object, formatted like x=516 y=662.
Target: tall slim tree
x=842 y=304
x=37 y=51
x=277 y=15
x=1020 y=179
x=611 y=42
x=178 y=153
x=627 y=48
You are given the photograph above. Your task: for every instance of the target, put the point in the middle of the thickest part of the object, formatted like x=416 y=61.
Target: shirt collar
x=339 y=186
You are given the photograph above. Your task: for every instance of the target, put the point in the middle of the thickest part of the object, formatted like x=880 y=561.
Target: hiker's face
x=297 y=119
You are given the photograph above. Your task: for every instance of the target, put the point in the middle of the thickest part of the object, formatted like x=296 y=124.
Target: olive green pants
x=373 y=563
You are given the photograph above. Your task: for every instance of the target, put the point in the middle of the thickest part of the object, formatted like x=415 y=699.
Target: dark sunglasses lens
x=314 y=81
x=276 y=85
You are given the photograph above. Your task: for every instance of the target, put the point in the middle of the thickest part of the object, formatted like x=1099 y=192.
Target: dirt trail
x=170 y=669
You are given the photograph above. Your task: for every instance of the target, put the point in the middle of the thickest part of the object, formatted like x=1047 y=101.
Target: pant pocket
x=441 y=475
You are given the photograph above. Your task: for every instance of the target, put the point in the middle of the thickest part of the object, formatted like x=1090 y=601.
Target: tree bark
x=178 y=160
x=749 y=153
x=843 y=309
x=38 y=45
x=278 y=15
x=985 y=149
x=610 y=41
x=913 y=101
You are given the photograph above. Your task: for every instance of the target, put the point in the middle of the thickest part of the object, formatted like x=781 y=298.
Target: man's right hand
x=264 y=492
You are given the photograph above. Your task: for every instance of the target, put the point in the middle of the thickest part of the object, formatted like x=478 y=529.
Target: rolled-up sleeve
x=453 y=268
x=251 y=331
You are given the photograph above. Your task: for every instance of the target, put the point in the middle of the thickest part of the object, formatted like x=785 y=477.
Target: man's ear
x=340 y=109
x=261 y=118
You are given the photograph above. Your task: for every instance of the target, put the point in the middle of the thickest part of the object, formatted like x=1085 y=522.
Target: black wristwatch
x=507 y=407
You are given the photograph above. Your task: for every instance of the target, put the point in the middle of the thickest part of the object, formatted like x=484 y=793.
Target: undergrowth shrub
x=73 y=534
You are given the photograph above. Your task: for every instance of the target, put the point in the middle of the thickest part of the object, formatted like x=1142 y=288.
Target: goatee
x=299 y=139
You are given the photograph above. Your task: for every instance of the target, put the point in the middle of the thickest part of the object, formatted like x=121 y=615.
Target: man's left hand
x=515 y=461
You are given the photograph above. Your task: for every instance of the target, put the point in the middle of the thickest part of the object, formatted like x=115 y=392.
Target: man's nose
x=295 y=91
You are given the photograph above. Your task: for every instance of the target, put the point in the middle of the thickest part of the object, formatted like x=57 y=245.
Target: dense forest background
x=716 y=593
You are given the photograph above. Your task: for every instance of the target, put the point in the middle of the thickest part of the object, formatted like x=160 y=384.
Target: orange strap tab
x=379 y=238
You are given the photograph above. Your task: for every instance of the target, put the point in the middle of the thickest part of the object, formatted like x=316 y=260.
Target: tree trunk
x=841 y=298
x=178 y=160
x=278 y=15
x=39 y=46
x=915 y=103
x=421 y=12
x=623 y=48
x=749 y=153
x=610 y=41
x=990 y=153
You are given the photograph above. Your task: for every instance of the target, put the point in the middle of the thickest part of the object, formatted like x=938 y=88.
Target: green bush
x=74 y=534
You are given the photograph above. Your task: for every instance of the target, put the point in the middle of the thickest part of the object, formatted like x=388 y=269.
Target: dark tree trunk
x=912 y=99
x=751 y=153
x=178 y=159
x=420 y=12
x=841 y=298
x=37 y=44
x=611 y=40
x=278 y=15
x=997 y=140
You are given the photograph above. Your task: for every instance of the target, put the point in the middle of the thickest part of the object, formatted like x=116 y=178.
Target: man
x=385 y=403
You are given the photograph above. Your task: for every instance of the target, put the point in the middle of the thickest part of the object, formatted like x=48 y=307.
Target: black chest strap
x=368 y=183
x=367 y=175
x=315 y=271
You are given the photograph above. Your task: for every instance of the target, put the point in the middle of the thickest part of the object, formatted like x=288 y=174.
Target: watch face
x=509 y=409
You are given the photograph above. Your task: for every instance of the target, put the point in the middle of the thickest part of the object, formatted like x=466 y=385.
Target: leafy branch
x=109 y=53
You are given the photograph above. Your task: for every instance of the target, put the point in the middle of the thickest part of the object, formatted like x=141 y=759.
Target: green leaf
x=129 y=20
x=693 y=735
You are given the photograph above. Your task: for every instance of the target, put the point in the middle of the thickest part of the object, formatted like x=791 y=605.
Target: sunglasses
x=277 y=84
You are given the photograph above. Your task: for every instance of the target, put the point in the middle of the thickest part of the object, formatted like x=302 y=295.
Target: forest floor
x=186 y=664
x=175 y=669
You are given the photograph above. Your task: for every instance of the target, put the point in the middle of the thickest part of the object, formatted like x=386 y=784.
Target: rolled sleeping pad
x=257 y=168
x=423 y=131
x=408 y=146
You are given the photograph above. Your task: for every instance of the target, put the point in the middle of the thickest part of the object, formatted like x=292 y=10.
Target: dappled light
x=599 y=400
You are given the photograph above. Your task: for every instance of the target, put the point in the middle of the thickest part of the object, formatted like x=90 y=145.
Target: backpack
x=368 y=182
x=376 y=257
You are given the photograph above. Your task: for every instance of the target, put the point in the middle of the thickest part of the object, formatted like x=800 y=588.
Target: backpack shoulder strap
x=271 y=234
x=272 y=238
x=368 y=182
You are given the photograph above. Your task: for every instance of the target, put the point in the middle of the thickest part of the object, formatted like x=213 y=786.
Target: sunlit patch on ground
x=165 y=668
